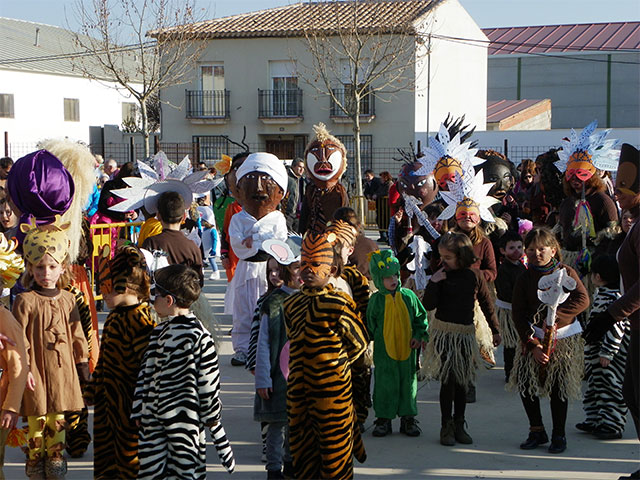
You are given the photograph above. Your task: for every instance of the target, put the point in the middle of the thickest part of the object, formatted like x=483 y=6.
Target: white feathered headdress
x=582 y=154
x=162 y=176
x=445 y=156
x=468 y=192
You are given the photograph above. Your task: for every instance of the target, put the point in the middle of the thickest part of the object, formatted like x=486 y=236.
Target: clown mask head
x=467 y=214
x=325 y=158
x=423 y=187
x=262 y=183
x=317 y=259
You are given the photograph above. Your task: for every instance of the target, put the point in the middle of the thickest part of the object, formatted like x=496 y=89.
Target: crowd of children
x=306 y=321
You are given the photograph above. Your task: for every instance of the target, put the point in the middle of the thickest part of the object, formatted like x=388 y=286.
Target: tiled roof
x=294 y=20
x=498 y=110
x=564 y=38
x=55 y=46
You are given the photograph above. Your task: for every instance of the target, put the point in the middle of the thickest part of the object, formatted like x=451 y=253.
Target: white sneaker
x=215 y=275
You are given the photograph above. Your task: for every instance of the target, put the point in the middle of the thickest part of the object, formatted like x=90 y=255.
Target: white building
x=250 y=75
x=41 y=96
x=588 y=71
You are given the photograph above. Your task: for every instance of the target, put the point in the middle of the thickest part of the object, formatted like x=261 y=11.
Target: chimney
x=37 y=37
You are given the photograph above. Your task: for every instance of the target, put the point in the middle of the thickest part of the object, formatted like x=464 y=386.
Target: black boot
x=275 y=474
x=383 y=427
x=535 y=438
x=558 y=444
x=631 y=476
x=460 y=433
x=409 y=426
x=447 y=435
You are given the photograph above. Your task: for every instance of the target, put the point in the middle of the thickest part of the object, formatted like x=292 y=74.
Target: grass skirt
x=452 y=352
x=565 y=368
x=508 y=332
x=484 y=336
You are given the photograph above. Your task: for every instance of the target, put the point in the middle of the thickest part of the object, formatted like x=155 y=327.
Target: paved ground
x=497 y=424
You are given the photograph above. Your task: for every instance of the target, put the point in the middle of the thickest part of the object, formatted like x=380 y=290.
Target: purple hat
x=40 y=186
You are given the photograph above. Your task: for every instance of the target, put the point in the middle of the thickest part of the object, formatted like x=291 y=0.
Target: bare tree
x=355 y=60
x=126 y=42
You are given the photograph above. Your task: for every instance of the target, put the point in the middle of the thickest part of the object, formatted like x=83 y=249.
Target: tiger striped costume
x=125 y=337
x=603 y=402
x=78 y=437
x=326 y=336
x=176 y=396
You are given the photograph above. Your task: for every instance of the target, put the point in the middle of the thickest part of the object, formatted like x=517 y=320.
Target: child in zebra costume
x=178 y=388
x=605 y=360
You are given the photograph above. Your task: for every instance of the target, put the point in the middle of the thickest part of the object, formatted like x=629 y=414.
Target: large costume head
x=498 y=170
x=628 y=178
x=80 y=163
x=262 y=183
x=383 y=264
x=582 y=154
x=325 y=158
x=448 y=157
x=413 y=181
x=40 y=186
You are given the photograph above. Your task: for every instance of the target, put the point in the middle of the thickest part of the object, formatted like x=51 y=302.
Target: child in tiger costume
x=326 y=337
x=124 y=283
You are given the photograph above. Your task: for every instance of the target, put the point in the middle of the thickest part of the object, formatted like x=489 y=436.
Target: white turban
x=265 y=163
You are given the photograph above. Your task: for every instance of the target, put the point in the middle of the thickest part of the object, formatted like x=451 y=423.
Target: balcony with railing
x=280 y=106
x=343 y=95
x=207 y=106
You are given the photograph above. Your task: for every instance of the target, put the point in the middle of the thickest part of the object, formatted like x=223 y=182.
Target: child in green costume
x=397 y=322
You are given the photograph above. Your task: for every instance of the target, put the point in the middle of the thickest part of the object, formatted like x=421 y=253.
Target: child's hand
x=604 y=361
x=226 y=263
x=264 y=393
x=248 y=242
x=138 y=424
x=439 y=275
x=539 y=356
x=9 y=419
x=398 y=215
x=31 y=382
x=4 y=338
x=497 y=339
x=415 y=343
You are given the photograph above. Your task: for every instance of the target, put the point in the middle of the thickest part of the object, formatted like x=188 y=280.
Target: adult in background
x=627 y=194
x=5 y=166
x=382 y=205
x=111 y=168
x=291 y=200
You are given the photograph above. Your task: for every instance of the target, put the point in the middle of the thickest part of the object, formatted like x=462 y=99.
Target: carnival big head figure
x=498 y=170
x=413 y=181
x=628 y=179
x=325 y=158
x=262 y=183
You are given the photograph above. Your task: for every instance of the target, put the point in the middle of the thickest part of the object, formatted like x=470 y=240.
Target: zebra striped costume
x=176 y=396
x=603 y=402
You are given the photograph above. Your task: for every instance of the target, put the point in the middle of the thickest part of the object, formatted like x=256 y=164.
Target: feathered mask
x=582 y=154
x=468 y=193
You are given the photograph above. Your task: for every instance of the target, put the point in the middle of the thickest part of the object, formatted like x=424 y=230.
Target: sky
x=486 y=13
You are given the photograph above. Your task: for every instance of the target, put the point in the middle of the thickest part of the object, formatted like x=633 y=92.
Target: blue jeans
x=277 y=445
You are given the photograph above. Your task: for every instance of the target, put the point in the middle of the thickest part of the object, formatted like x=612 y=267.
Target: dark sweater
x=628 y=261
x=508 y=273
x=455 y=296
x=525 y=303
x=603 y=209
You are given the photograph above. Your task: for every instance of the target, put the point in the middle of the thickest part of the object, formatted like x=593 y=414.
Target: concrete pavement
x=496 y=422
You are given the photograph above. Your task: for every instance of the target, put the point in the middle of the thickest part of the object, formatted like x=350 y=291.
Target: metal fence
x=377 y=159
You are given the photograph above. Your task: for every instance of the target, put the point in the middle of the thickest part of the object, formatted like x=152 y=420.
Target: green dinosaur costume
x=393 y=320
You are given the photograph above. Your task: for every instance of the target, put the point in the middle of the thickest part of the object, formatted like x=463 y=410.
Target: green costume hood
x=382 y=264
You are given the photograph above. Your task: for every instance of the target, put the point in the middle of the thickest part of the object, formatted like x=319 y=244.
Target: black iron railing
x=367 y=103
x=207 y=103
x=280 y=103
